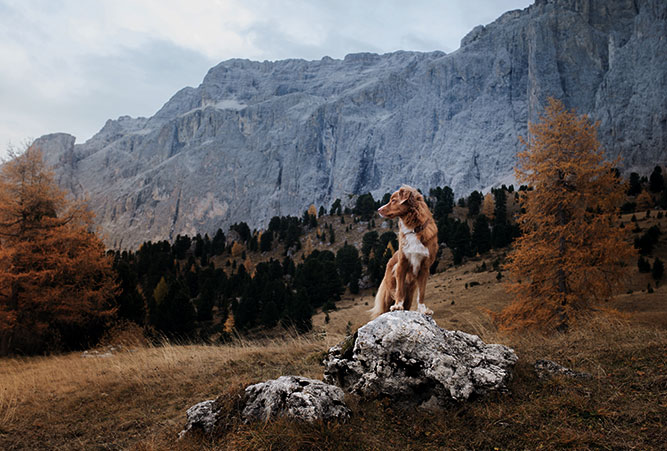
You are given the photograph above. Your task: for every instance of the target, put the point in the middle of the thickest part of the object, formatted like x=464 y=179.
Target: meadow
x=137 y=397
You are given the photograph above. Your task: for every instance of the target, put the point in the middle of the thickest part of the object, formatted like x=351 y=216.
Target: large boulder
x=295 y=397
x=404 y=355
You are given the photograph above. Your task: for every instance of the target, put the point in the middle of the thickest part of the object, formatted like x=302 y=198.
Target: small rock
x=295 y=397
x=546 y=369
x=202 y=416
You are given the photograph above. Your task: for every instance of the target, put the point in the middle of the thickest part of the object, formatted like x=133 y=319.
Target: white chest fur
x=413 y=248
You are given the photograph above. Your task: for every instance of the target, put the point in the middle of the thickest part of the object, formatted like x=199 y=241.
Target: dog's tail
x=380 y=301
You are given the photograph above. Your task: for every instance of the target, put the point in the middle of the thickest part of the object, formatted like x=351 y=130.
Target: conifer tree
x=656 y=180
x=571 y=253
x=56 y=282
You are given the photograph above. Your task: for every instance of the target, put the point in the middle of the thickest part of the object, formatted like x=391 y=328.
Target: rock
x=259 y=139
x=404 y=355
x=295 y=397
x=201 y=417
x=547 y=369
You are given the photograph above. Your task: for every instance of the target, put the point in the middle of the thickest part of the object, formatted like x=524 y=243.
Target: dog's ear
x=404 y=195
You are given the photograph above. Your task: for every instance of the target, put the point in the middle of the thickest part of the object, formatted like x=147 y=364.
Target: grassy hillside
x=137 y=398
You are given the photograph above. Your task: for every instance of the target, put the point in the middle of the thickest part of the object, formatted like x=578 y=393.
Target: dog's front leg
x=421 y=290
x=399 y=298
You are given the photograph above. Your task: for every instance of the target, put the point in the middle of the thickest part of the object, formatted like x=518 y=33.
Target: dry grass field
x=136 y=399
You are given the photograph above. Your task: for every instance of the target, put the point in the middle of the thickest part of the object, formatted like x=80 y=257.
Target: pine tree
x=56 y=282
x=481 y=235
x=572 y=252
x=658 y=269
x=656 y=181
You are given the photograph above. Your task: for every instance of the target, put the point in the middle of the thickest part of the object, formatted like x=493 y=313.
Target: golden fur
x=408 y=269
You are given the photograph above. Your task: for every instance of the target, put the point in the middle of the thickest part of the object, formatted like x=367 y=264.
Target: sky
x=69 y=65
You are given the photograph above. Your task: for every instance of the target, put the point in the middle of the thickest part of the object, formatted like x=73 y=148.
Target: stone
x=295 y=397
x=259 y=139
x=202 y=417
x=405 y=356
x=547 y=369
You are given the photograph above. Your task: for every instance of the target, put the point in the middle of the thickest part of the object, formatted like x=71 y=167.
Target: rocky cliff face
x=256 y=140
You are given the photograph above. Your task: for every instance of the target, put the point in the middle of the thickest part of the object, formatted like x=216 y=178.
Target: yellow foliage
x=488 y=206
x=644 y=201
x=248 y=266
x=312 y=211
x=572 y=252
x=229 y=323
x=237 y=249
x=160 y=291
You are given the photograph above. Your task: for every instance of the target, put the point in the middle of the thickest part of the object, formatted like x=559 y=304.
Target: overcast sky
x=69 y=65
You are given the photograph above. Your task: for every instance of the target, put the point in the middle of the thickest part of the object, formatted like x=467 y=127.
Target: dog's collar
x=421 y=227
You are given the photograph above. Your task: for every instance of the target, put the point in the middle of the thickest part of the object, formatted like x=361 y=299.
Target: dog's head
x=401 y=202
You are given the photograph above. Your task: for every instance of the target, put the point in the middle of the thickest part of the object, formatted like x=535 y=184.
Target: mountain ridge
x=258 y=139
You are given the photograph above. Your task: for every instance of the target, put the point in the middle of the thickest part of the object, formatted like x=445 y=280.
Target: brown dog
x=408 y=269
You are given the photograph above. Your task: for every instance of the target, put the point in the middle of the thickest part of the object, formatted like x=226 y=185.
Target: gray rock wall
x=258 y=139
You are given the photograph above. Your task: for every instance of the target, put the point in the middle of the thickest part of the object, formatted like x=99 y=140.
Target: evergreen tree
x=444 y=201
x=368 y=243
x=349 y=267
x=335 y=208
x=656 y=181
x=474 y=203
x=461 y=242
x=365 y=206
x=658 y=269
x=266 y=241
x=643 y=265
x=174 y=315
x=219 y=243
x=481 y=235
x=298 y=312
x=635 y=186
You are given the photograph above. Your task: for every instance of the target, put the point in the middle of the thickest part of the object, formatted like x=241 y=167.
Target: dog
x=409 y=267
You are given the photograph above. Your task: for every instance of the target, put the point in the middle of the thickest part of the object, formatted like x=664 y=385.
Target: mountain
x=258 y=139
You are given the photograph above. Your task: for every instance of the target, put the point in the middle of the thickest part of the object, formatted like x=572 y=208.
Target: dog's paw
x=397 y=306
x=421 y=308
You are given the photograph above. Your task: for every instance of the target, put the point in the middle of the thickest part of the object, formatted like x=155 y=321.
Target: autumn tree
x=571 y=253
x=56 y=283
x=489 y=206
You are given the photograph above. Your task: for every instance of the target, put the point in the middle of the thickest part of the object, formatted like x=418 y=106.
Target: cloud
x=68 y=65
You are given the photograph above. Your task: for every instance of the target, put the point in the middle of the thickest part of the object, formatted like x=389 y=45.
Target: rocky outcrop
x=405 y=356
x=258 y=139
x=295 y=397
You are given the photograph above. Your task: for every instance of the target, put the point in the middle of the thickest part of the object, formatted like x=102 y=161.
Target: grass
x=137 y=398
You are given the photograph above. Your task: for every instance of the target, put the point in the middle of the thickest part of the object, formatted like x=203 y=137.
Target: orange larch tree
x=572 y=253
x=56 y=284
